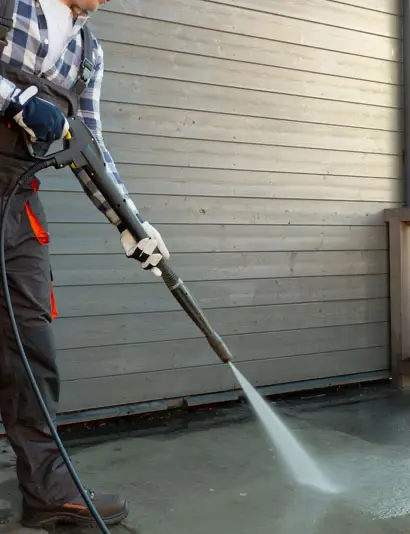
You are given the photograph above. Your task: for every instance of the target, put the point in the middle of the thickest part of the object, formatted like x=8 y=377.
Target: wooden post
x=398 y=221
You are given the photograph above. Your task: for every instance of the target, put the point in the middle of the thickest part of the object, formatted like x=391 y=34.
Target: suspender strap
x=6 y=21
x=87 y=64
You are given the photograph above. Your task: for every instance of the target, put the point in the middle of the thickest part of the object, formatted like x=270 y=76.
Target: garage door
x=263 y=139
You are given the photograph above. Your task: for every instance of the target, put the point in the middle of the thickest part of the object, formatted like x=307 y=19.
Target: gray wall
x=263 y=139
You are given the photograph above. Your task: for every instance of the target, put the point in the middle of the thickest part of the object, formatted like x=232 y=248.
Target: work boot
x=112 y=509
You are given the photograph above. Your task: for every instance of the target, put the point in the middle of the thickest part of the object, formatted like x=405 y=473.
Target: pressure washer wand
x=82 y=152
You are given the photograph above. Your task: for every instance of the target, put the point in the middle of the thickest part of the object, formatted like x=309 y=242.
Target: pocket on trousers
x=15 y=218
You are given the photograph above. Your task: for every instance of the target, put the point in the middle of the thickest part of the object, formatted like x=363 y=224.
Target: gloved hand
x=143 y=251
x=42 y=120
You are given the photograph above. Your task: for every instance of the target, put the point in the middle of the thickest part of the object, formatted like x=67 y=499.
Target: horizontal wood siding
x=264 y=139
x=122 y=389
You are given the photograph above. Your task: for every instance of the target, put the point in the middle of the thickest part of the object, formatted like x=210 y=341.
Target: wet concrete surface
x=216 y=472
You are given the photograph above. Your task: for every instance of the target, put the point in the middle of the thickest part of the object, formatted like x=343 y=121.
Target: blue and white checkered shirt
x=27 y=48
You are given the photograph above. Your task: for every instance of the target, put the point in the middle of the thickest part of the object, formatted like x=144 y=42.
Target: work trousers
x=42 y=474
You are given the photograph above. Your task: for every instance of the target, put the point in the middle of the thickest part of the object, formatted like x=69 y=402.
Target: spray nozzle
x=220 y=348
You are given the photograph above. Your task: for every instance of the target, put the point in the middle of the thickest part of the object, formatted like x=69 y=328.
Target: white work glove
x=143 y=251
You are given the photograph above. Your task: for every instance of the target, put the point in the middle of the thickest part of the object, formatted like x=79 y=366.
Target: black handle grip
x=38 y=150
x=169 y=276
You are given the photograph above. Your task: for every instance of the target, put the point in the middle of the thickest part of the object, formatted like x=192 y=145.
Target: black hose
x=25 y=178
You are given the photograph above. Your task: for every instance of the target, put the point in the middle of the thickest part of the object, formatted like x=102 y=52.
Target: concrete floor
x=215 y=472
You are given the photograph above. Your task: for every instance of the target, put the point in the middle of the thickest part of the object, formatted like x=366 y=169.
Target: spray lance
x=81 y=151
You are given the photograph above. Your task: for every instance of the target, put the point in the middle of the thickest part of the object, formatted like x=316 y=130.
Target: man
x=45 y=77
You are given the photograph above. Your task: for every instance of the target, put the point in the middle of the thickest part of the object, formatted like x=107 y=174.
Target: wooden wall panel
x=111 y=269
x=102 y=330
x=133 y=60
x=272 y=52
x=89 y=393
x=161 y=209
x=68 y=239
x=167 y=355
x=264 y=140
x=119 y=299
x=233 y=183
x=248 y=22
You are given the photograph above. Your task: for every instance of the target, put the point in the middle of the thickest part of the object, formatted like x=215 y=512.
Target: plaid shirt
x=27 y=48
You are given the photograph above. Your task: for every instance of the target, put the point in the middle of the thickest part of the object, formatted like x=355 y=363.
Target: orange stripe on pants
x=54 y=312
x=38 y=230
x=44 y=239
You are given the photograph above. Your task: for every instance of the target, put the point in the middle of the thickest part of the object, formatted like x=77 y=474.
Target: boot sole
x=46 y=519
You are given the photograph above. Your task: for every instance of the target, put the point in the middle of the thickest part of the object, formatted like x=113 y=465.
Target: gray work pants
x=42 y=475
